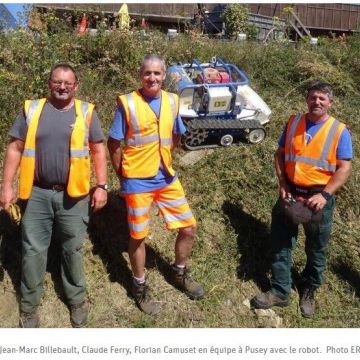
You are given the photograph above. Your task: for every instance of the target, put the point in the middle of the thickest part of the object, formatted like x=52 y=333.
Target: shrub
x=235 y=17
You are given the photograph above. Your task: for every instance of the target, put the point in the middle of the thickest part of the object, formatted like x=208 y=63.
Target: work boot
x=79 y=314
x=307 y=301
x=182 y=280
x=29 y=319
x=267 y=300
x=144 y=301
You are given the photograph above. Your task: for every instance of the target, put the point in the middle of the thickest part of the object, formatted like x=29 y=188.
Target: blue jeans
x=48 y=211
x=283 y=239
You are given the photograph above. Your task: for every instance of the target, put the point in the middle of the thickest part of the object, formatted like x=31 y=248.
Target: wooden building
x=317 y=19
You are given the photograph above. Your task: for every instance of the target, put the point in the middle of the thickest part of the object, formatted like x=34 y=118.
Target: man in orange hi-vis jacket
x=148 y=121
x=312 y=162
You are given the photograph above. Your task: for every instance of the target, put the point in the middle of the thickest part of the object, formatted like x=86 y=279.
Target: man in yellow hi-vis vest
x=51 y=142
x=148 y=122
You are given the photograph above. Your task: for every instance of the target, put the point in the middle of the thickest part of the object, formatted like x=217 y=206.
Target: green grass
x=231 y=191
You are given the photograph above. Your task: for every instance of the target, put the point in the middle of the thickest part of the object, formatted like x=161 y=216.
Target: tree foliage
x=235 y=17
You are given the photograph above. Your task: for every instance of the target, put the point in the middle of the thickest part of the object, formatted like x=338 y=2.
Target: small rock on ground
x=265 y=312
x=268 y=318
x=246 y=303
x=192 y=157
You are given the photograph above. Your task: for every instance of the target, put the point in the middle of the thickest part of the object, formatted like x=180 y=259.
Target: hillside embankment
x=231 y=190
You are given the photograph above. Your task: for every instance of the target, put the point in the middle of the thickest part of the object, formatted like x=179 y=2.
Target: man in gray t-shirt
x=52 y=137
x=50 y=144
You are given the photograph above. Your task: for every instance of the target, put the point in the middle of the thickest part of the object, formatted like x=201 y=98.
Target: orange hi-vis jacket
x=149 y=139
x=311 y=164
x=79 y=174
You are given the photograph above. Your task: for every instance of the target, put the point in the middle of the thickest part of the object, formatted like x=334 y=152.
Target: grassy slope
x=230 y=190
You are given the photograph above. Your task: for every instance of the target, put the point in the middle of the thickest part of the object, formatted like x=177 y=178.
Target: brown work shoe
x=144 y=301
x=182 y=279
x=267 y=300
x=79 y=314
x=307 y=301
x=29 y=319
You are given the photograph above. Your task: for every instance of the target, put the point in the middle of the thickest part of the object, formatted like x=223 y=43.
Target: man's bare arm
x=340 y=177
x=284 y=190
x=11 y=164
x=175 y=141
x=98 y=153
x=115 y=154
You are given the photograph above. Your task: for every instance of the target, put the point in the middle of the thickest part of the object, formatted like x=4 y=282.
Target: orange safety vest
x=149 y=139
x=79 y=174
x=313 y=163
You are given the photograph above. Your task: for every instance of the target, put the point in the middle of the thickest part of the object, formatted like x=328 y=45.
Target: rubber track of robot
x=198 y=130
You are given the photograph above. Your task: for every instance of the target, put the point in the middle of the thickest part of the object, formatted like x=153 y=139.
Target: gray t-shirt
x=53 y=142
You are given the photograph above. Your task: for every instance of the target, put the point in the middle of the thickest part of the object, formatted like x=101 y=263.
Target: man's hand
x=316 y=202
x=284 y=191
x=7 y=197
x=342 y=173
x=98 y=199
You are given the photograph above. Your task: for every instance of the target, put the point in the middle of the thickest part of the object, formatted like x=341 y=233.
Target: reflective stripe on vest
x=327 y=145
x=79 y=153
x=173 y=104
x=293 y=128
x=29 y=152
x=139 y=141
x=166 y=141
x=33 y=105
x=86 y=110
x=323 y=164
x=32 y=108
x=136 y=141
x=79 y=173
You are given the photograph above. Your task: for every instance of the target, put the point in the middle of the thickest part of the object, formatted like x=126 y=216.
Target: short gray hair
x=155 y=58
x=321 y=86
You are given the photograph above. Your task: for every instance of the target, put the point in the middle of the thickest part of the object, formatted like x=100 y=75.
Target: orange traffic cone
x=143 y=23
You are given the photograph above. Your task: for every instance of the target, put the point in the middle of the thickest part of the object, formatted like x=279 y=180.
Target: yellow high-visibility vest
x=149 y=139
x=79 y=174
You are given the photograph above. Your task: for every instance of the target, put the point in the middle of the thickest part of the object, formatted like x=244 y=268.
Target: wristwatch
x=103 y=186
x=326 y=195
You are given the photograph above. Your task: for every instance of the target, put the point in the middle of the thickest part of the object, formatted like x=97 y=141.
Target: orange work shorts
x=171 y=202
